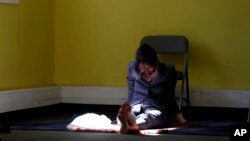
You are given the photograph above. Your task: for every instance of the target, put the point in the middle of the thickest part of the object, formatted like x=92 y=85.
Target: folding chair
x=173 y=44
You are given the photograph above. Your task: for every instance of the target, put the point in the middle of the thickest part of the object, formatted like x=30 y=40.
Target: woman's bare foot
x=128 y=122
x=124 y=123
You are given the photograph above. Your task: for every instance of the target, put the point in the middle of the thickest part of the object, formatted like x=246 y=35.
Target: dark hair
x=146 y=54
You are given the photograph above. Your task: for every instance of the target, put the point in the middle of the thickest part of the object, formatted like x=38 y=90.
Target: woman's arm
x=130 y=81
x=171 y=97
x=171 y=83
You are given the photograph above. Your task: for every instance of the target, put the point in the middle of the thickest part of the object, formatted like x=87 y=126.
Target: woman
x=151 y=93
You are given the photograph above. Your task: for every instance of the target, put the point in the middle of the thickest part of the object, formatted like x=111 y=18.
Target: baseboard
x=94 y=95
x=29 y=98
x=220 y=98
x=115 y=95
x=9 y=1
x=37 y=97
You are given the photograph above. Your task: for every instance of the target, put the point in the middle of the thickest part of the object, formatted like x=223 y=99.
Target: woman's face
x=146 y=68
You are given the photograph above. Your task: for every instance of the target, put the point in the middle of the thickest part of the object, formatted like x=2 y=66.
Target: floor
x=30 y=135
x=63 y=111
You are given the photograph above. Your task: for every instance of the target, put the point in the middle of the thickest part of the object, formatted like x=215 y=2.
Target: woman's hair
x=146 y=54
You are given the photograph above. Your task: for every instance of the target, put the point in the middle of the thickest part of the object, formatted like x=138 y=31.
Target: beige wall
x=27 y=44
x=90 y=42
x=95 y=39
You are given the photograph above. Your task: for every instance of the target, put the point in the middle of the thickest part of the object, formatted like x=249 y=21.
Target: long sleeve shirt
x=159 y=93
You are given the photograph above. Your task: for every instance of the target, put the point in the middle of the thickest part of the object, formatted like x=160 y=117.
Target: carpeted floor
x=35 y=135
x=207 y=121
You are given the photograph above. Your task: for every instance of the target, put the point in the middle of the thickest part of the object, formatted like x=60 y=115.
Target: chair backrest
x=167 y=44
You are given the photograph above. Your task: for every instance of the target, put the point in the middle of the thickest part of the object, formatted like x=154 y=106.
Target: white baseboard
x=220 y=98
x=115 y=96
x=29 y=98
x=94 y=95
x=37 y=97
x=9 y=1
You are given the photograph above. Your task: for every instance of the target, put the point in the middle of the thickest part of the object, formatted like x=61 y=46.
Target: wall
x=95 y=39
x=90 y=42
x=27 y=44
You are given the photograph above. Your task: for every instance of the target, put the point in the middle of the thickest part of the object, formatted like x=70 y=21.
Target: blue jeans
x=148 y=117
